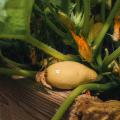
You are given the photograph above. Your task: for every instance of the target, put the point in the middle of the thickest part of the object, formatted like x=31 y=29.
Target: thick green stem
x=99 y=57
x=49 y=22
x=98 y=87
x=49 y=50
x=108 y=59
x=103 y=2
x=40 y=45
x=86 y=23
x=54 y=28
x=106 y=26
x=109 y=3
x=21 y=72
x=10 y=36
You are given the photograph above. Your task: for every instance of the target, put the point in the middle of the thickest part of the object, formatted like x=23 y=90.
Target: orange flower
x=116 y=32
x=83 y=47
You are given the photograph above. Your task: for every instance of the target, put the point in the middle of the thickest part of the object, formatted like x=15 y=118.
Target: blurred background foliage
x=51 y=22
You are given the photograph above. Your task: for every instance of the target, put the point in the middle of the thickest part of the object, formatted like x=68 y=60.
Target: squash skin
x=69 y=74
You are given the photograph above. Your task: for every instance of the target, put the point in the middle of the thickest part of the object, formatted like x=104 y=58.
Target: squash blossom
x=83 y=47
x=65 y=20
x=116 y=32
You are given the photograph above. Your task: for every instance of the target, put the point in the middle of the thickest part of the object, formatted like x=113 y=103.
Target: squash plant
x=15 y=20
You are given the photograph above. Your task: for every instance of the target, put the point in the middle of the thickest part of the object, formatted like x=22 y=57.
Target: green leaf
x=2 y=3
x=55 y=2
x=3 y=13
x=15 y=17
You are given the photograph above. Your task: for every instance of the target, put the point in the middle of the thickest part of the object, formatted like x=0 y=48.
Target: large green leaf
x=3 y=14
x=15 y=17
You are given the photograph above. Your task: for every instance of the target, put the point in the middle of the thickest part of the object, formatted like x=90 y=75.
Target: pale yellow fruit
x=69 y=74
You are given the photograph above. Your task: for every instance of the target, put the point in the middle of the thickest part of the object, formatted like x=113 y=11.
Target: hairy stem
x=106 y=26
x=77 y=91
x=108 y=59
x=54 y=28
x=21 y=72
x=40 y=45
x=86 y=23
x=49 y=50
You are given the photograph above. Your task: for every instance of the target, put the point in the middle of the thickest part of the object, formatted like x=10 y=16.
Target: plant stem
x=86 y=23
x=65 y=6
x=21 y=72
x=10 y=36
x=103 y=2
x=49 y=50
x=54 y=28
x=40 y=45
x=106 y=26
x=99 y=57
x=49 y=22
x=108 y=59
x=98 y=87
x=109 y=3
